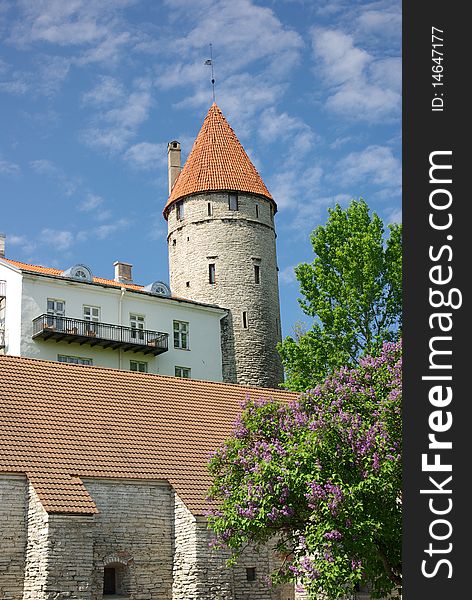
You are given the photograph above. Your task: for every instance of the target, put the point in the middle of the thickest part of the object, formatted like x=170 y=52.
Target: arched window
x=116 y=576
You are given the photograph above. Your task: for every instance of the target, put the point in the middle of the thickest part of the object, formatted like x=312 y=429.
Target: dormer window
x=233 y=202
x=80 y=272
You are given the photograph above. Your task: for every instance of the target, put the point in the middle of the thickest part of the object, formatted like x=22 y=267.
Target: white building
x=71 y=316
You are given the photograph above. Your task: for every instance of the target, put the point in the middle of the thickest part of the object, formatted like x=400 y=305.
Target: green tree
x=352 y=290
x=320 y=481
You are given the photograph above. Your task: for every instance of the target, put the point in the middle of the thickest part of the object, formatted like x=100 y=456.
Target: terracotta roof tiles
x=58 y=272
x=217 y=161
x=61 y=422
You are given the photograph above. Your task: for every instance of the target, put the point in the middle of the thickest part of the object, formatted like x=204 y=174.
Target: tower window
x=257 y=211
x=174 y=242
x=209 y=209
x=187 y=284
x=257 y=274
x=179 y=207
x=244 y=319
x=211 y=273
x=251 y=574
x=233 y=202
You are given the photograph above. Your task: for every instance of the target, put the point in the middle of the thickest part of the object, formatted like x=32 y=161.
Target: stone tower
x=221 y=244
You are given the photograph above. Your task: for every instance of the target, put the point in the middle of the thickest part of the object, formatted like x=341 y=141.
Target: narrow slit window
x=209 y=209
x=211 y=273
x=257 y=274
x=244 y=319
x=257 y=211
x=233 y=202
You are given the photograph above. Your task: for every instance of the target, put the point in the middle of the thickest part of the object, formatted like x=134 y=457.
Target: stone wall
x=58 y=555
x=133 y=531
x=200 y=572
x=235 y=242
x=13 y=499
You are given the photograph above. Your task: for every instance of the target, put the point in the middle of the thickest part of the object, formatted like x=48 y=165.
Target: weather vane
x=209 y=62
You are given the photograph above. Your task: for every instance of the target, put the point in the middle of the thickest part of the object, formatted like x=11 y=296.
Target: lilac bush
x=320 y=480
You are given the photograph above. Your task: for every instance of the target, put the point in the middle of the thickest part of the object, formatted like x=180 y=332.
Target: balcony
x=105 y=335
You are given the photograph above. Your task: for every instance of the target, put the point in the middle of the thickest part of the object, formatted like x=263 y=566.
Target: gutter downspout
x=120 y=322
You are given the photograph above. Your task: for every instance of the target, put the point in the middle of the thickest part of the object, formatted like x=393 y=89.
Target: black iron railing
x=105 y=335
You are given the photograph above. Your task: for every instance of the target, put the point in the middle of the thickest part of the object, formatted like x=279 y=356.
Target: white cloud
x=275 y=126
x=314 y=210
x=374 y=165
x=359 y=86
x=96 y=29
x=107 y=91
x=91 y=202
x=381 y=22
x=9 y=168
x=295 y=186
x=146 y=156
x=287 y=275
x=48 y=168
x=60 y=239
x=116 y=125
x=25 y=244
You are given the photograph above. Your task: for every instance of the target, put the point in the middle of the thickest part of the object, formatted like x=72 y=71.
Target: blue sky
x=91 y=91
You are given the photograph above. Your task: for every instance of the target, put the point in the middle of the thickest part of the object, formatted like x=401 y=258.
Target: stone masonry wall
x=58 y=555
x=201 y=573
x=235 y=241
x=13 y=498
x=133 y=531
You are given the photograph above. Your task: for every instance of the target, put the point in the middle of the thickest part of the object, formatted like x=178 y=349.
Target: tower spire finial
x=209 y=62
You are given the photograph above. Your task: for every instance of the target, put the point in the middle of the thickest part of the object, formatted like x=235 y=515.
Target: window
x=137 y=327
x=179 y=207
x=244 y=319
x=56 y=309
x=181 y=335
x=74 y=360
x=251 y=574
x=183 y=372
x=187 y=284
x=257 y=211
x=210 y=212
x=174 y=242
x=257 y=274
x=233 y=201
x=138 y=366
x=92 y=315
x=211 y=273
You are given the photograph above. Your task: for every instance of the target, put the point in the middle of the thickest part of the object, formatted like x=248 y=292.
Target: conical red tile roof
x=217 y=161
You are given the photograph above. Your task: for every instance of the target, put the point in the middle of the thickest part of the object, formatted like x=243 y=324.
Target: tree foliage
x=320 y=480
x=353 y=291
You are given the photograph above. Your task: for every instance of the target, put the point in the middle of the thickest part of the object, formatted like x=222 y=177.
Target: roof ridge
x=127 y=373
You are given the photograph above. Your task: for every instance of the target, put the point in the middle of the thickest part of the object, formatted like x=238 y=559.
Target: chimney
x=123 y=272
x=173 y=162
x=2 y=245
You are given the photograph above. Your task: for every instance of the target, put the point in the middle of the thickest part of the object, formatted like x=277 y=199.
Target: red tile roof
x=217 y=161
x=58 y=272
x=60 y=422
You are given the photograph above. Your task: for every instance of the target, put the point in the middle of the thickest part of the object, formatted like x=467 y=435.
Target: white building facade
x=71 y=316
